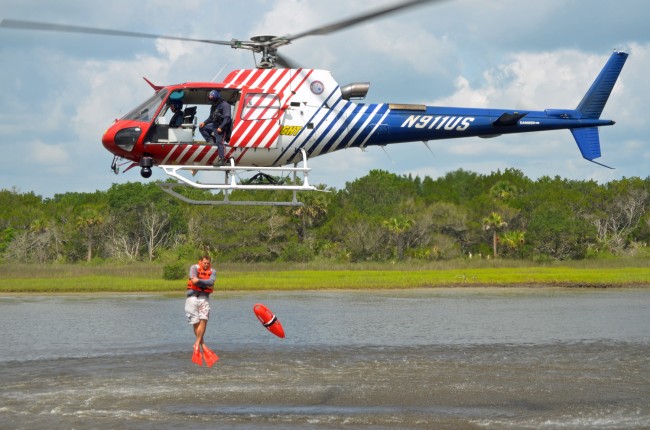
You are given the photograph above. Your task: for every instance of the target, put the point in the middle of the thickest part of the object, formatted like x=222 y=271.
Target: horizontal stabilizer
x=588 y=141
x=509 y=119
x=563 y=113
x=593 y=103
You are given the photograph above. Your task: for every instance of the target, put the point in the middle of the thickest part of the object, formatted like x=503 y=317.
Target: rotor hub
x=262 y=39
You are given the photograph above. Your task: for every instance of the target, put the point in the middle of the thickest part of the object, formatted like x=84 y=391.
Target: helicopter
x=282 y=115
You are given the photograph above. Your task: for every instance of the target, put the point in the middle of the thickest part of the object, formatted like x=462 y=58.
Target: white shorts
x=197 y=308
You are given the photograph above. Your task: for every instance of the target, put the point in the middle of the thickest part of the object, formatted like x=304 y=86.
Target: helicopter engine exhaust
x=356 y=90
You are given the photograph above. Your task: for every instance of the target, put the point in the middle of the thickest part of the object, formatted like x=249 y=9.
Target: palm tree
x=503 y=191
x=513 y=239
x=494 y=222
x=89 y=221
x=313 y=209
x=398 y=226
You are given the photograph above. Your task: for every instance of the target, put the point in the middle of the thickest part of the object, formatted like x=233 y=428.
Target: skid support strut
x=231 y=182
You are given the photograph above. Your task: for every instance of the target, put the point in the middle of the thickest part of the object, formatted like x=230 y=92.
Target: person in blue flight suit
x=216 y=128
x=175 y=103
x=177 y=119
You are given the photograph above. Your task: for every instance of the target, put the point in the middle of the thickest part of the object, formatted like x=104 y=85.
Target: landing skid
x=231 y=182
x=169 y=189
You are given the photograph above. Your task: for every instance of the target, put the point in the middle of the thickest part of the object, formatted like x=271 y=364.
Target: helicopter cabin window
x=145 y=111
x=261 y=107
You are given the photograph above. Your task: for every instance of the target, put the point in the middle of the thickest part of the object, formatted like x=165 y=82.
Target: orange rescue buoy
x=268 y=320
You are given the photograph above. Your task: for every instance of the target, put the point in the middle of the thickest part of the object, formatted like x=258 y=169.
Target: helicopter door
x=258 y=125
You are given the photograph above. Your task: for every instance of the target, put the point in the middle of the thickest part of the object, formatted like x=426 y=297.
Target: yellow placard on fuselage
x=290 y=130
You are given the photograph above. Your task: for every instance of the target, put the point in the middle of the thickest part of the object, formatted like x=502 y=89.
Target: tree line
x=379 y=217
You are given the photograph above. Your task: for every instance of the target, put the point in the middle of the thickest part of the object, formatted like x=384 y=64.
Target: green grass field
x=147 y=277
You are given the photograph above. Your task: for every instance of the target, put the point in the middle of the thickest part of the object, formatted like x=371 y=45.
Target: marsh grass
x=147 y=277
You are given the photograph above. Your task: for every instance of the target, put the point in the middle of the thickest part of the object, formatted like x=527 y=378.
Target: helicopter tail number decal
x=429 y=122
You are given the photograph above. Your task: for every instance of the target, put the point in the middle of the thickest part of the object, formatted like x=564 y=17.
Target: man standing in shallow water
x=197 y=307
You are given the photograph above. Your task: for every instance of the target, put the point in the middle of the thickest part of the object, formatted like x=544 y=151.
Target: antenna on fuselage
x=218 y=73
x=383 y=148
x=426 y=143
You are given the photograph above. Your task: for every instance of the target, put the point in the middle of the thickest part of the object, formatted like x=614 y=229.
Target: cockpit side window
x=145 y=111
x=259 y=106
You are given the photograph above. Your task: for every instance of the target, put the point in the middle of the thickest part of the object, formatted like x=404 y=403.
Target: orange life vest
x=202 y=274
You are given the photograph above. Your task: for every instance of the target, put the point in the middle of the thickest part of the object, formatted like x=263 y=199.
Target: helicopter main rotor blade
x=265 y=45
x=44 y=26
x=285 y=62
x=336 y=26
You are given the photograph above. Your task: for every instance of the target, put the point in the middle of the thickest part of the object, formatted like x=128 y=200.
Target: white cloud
x=531 y=81
x=500 y=146
x=48 y=154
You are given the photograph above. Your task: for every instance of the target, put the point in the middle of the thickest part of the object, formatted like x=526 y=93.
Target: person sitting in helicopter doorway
x=216 y=128
x=175 y=103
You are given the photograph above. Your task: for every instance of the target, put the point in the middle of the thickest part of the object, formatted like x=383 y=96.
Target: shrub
x=174 y=271
x=298 y=253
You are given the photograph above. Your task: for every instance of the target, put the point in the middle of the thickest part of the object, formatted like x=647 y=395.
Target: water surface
x=435 y=358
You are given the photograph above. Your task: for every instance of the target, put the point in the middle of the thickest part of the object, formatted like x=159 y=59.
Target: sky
x=59 y=92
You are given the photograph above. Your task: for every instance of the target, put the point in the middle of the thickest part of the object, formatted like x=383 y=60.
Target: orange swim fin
x=210 y=356
x=196 y=357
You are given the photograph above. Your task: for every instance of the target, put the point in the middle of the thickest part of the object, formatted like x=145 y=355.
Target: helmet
x=176 y=99
x=214 y=96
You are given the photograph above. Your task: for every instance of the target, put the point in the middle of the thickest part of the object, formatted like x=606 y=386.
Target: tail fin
x=588 y=141
x=592 y=105
x=593 y=102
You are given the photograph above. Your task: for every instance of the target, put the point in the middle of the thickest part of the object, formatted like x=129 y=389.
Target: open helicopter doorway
x=196 y=108
x=255 y=119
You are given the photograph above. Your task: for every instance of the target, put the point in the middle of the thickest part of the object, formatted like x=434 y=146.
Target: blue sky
x=60 y=92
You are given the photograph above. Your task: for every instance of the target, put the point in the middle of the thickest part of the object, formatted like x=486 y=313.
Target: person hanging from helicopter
x=175 y=103
x=216 y=128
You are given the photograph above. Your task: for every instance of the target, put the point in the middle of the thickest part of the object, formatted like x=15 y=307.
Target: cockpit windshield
x=145 y=111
